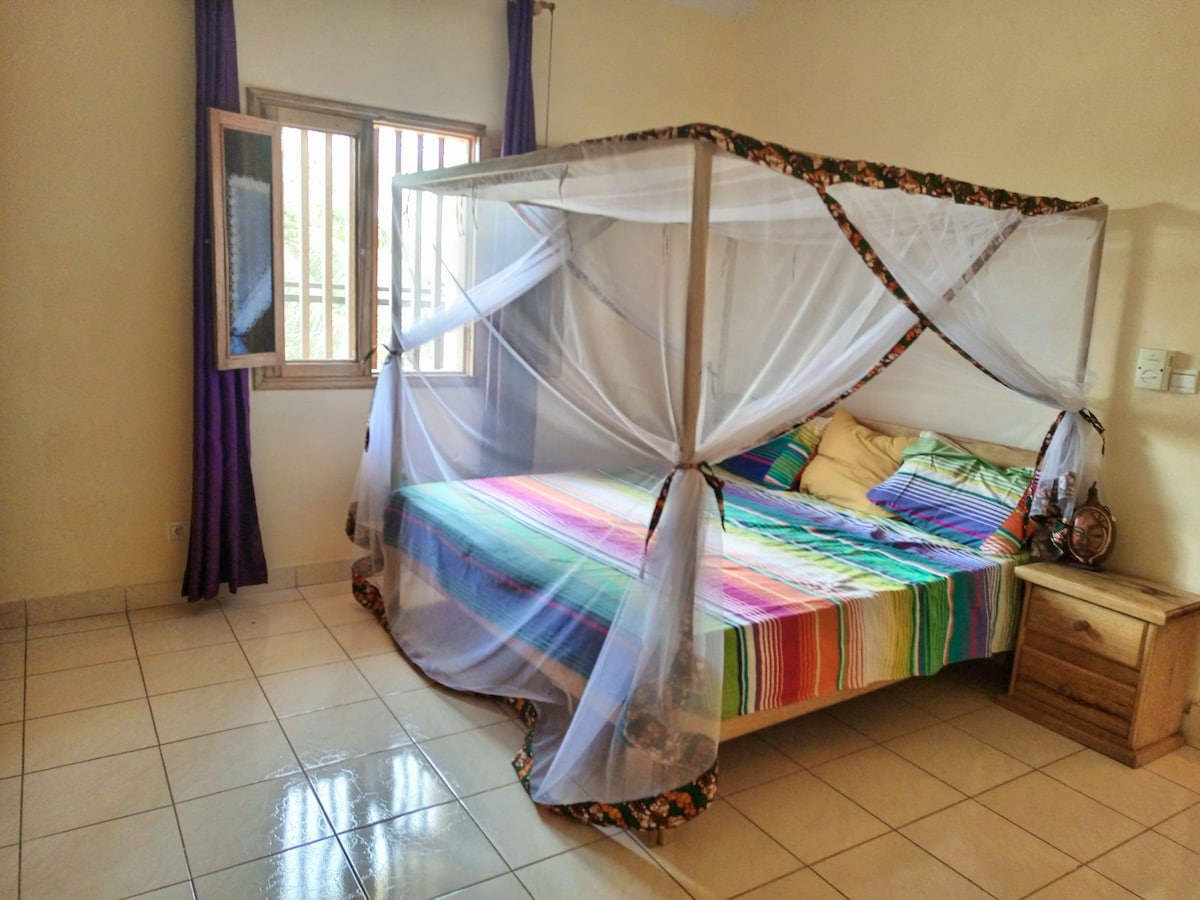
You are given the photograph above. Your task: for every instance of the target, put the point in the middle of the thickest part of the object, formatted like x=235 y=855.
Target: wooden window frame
x=359 y=121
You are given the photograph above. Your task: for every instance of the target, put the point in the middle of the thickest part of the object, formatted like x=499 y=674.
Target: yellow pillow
x=850 y=460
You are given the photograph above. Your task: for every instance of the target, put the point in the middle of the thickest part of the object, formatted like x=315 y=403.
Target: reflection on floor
x=276 y=744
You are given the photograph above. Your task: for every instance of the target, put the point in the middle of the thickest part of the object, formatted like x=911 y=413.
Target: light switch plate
x=1183 y=381
x=1153 y=369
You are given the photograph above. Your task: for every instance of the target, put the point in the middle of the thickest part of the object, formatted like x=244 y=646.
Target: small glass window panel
x=318 y=210
x=434 y=270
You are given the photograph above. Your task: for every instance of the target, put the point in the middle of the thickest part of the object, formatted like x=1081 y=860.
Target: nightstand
x=1104 y=659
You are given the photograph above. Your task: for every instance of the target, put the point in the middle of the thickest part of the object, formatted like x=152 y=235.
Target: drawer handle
x=1080 y=625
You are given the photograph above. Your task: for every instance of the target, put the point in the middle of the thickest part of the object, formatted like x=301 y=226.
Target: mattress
x=816 y=599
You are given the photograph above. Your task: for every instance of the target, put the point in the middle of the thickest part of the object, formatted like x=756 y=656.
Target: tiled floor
x=277 y=745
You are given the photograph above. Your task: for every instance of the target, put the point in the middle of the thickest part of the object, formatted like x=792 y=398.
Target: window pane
x=318 y=210
x=427 y=278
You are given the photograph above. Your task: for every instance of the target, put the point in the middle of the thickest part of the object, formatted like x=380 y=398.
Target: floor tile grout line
x=1144 y=828
x=162 y=760
x=359 y=879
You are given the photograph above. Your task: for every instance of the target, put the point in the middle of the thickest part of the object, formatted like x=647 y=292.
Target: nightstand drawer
x=1103 y=632
x=1085 y=695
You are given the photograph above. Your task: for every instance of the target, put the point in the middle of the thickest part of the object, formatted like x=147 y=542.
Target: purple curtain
x=513 y=440
x=519 y=132
x=226 y=545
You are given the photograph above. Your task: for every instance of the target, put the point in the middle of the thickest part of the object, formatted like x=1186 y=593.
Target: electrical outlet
x=176 y=531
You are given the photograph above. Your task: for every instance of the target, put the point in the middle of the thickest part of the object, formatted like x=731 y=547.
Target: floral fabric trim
x=669 y=809
x=822 y=171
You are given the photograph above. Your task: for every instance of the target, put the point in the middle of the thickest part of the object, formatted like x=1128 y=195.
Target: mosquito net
x=666 y=300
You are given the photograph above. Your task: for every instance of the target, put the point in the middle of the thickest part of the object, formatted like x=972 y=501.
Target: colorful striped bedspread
x=817 y=599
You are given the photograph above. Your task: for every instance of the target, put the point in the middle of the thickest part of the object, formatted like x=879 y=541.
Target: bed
x=647 y=515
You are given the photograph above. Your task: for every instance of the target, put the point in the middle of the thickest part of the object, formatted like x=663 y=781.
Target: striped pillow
x=954 y=494
x=778 y=462
x=801 y=445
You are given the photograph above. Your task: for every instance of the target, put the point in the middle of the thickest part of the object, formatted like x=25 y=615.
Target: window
x=338 y=164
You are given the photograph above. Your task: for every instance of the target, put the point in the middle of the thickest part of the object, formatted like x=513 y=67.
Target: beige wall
x=1074 y=98
x=1071 y=97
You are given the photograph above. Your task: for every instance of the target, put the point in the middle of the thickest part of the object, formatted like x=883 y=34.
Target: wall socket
x=176 y=531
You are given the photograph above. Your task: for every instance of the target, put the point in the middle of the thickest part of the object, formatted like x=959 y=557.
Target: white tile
x=1054 y=812
x=340 y=608
x=282 y=653
x=279 y=580
x=391 y=673
x=521 y=830
x=318 y=687
x=882 y=715
x=1181 y=766
x=12 y=700
x=324 y=574
x=339 y=588
x=1017 y=736
x=10 y=748
x=368 y=789
x=246 y=823
x=10 y=811
x=145 y=596
x=893 y=868
x=10 y=859
x=809 y=818
x=317 y=870
x=118 y=858
x=506 y=887
x=271 y=619
x=887 y=786
x=1183 y=828
x=70 y=651
x=180 y=891
x=261 y=595
x=749 y=761
x=84 y=734
x=75 y=606
x=199 y=625
x=363 y=638
x=180 y=670
x=12 y=615
x=436 y=712
x=330 y=735
x=816 y=738
x=217 y=762
x=149 y=614
x=1083 y=883
x=422 y=854
x=962 y=761
x=986 y=848
x=82 y=688
x=76 y=626
x=722 y=853
x=1138 y=793
x=594 y=870
x=205 y=710
x=476 y=760
x=1152 y=866
x=12 y=660
x=944 y=695
x=88 y=792
x=805 y=884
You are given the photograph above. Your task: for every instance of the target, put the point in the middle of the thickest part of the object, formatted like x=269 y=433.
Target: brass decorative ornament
x=1093 y=532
